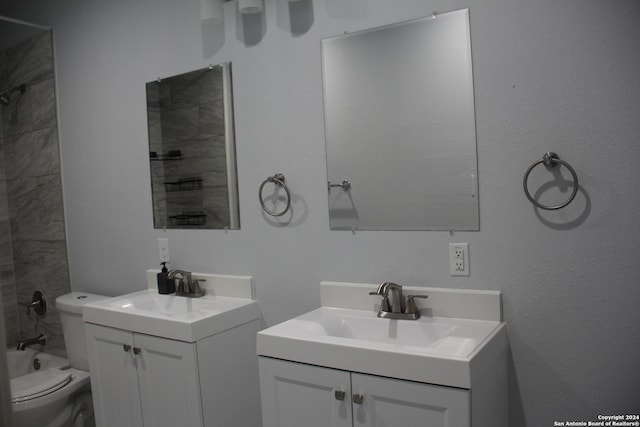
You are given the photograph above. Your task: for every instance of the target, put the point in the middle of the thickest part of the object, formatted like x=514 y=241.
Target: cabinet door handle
x=358 y=399
x=339 y=394
x=136 y=350
x=126 y=347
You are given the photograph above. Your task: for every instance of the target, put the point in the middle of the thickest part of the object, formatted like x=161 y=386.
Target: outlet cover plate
x=459 y=259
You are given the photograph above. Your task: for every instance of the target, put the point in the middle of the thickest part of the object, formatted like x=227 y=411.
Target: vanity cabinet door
x=169 y=382
x=114 y=380
x=295 y=395
x=391 y=402
x=142 y=381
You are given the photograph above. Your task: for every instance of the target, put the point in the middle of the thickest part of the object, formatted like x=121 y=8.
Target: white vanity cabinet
x=295 y=394
x=341 y=365
x=166 y=361
x=141 y=380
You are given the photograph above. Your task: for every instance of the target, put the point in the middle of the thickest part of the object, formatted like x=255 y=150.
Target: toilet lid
x=38 y=384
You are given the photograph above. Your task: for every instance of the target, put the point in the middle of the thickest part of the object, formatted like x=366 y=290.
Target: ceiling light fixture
x=250 y=6
x=212 y=11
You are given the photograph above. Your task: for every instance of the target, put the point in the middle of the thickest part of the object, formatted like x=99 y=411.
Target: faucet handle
x=38 y=303
x=411 y=304
x=385 y=305
x=196 y=289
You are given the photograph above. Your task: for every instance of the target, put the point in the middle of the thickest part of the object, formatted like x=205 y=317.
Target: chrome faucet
x=40 y=339
x=397 y=309
x=187 y=287
x=383 y=291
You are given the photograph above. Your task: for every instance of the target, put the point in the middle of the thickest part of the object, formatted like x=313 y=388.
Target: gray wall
x=549 y=75
x=33 y=253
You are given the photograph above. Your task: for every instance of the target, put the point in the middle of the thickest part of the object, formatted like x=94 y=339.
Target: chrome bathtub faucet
x=40 y=339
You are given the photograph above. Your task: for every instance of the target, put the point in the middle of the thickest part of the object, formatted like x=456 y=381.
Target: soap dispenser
x=165 y=285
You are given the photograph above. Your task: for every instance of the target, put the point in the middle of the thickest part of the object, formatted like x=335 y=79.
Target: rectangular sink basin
x=437 y=350
x=169 y=316
x=366 y=326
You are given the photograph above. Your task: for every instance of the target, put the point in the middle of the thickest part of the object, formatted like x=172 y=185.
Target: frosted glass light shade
x=212 y=10
x=250 y=6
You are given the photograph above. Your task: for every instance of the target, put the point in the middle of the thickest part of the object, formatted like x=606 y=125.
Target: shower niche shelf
x=171 y=155
x=183 y=184
x=189 y=218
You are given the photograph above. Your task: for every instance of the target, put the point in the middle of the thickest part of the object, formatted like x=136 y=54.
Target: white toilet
x=60 y=397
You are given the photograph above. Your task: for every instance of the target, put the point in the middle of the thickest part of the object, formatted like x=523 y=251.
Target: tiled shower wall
x=33 y=251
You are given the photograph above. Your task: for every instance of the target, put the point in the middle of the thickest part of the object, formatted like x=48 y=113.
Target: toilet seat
x=38 y=384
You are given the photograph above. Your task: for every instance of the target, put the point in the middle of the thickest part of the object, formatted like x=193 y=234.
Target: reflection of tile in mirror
x=188 y=113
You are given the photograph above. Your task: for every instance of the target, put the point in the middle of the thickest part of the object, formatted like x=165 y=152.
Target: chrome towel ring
x=551 y=160
x=278 y=179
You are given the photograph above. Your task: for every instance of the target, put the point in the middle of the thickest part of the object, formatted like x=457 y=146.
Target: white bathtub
x=46 y=392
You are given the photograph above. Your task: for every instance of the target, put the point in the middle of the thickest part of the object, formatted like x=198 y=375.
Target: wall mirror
x=192 y=150
x=400 y=126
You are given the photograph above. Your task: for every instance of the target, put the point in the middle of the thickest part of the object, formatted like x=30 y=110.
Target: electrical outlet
x=458 y=252
x=459 y=259
x=163 y=249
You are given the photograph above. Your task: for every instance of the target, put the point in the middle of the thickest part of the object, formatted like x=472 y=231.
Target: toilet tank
x=70 y=307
